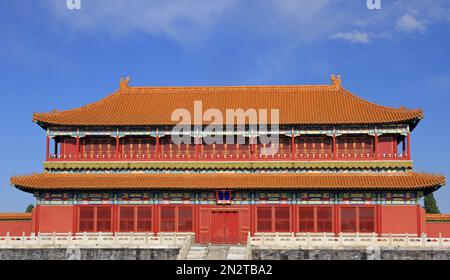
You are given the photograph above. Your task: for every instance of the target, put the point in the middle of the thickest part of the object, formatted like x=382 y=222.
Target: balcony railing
x=230 y=156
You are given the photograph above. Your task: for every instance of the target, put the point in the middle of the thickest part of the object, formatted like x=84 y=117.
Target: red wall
x=393 y=219
x=402 y=219
x=54 y=218
x=433 y=229
x=15 y=228
x=69 y=146
x=386 y=144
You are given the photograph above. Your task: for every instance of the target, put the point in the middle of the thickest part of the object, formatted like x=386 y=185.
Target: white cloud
x=182 y=20
x=409 y=24
x=354 y=37
x=187 y=21
x=281 y=21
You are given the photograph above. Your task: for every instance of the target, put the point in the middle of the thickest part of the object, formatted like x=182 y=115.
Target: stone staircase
x=197 y=252
x=217 y=252
x=237 y=253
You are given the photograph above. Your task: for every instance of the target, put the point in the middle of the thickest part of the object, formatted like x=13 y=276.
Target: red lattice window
x=324 y=219
x=185 y=218
x=86 y=223
x=144 y=219
x=348 y=219
x=366 y=219
x=168 y=218
x=264 y=219
x=282 y=219
x=306 y=219
x=104 y=219
x=126 y=219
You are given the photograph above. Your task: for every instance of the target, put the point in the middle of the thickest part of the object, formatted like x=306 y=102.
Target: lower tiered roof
x=15 y=216
x=437 y=217
x=234 y=181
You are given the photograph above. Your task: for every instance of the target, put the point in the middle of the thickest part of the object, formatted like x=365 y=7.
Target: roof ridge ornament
x=124 y=82
x=336 y=81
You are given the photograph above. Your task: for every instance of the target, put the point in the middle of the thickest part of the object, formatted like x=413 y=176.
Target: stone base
x=369 y=253
x=89 y=254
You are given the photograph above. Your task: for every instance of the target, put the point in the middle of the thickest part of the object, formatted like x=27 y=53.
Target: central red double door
x=224 y=227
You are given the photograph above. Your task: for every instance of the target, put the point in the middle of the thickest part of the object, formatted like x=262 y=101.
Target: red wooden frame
x=357 y=217
x=176 y=219
x=272 y=209
x=95 y=219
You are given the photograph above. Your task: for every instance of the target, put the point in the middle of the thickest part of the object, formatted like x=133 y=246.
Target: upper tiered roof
x=297 y=104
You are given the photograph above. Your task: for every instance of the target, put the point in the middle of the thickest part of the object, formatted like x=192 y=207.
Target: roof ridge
x=229 y=87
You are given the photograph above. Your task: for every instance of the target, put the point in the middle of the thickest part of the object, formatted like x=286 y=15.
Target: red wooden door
x=224 y=227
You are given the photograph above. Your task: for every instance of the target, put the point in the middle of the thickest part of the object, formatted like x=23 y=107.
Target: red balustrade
x=316 y=148
x=228 y=156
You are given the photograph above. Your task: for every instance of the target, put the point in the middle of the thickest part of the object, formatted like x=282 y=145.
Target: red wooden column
x=408 y=147
x=197 y=147
x=117 y=147
x=334 y=147
x=115 y=214
x=293 y=150
x=255 y=145
x=252 y=147
x=404 y=147
x=36 y=222
x=75 y=219
x=157 y=148
x=294 y=218
x=56 y=147
x=47 y=149
x=379 y=218
x=62 y=148
x=336 y=220
x=78 y=148
x=252 y=219
x=375 y=148
x=394 y=145
x=419 y=220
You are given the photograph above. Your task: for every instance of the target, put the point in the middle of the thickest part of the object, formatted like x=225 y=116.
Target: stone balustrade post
x=424 y=239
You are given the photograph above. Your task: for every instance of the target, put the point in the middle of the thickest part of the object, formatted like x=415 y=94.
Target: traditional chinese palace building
x=343 y=164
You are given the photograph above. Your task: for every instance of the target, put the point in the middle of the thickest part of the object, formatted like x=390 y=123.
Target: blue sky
x=55 y=58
